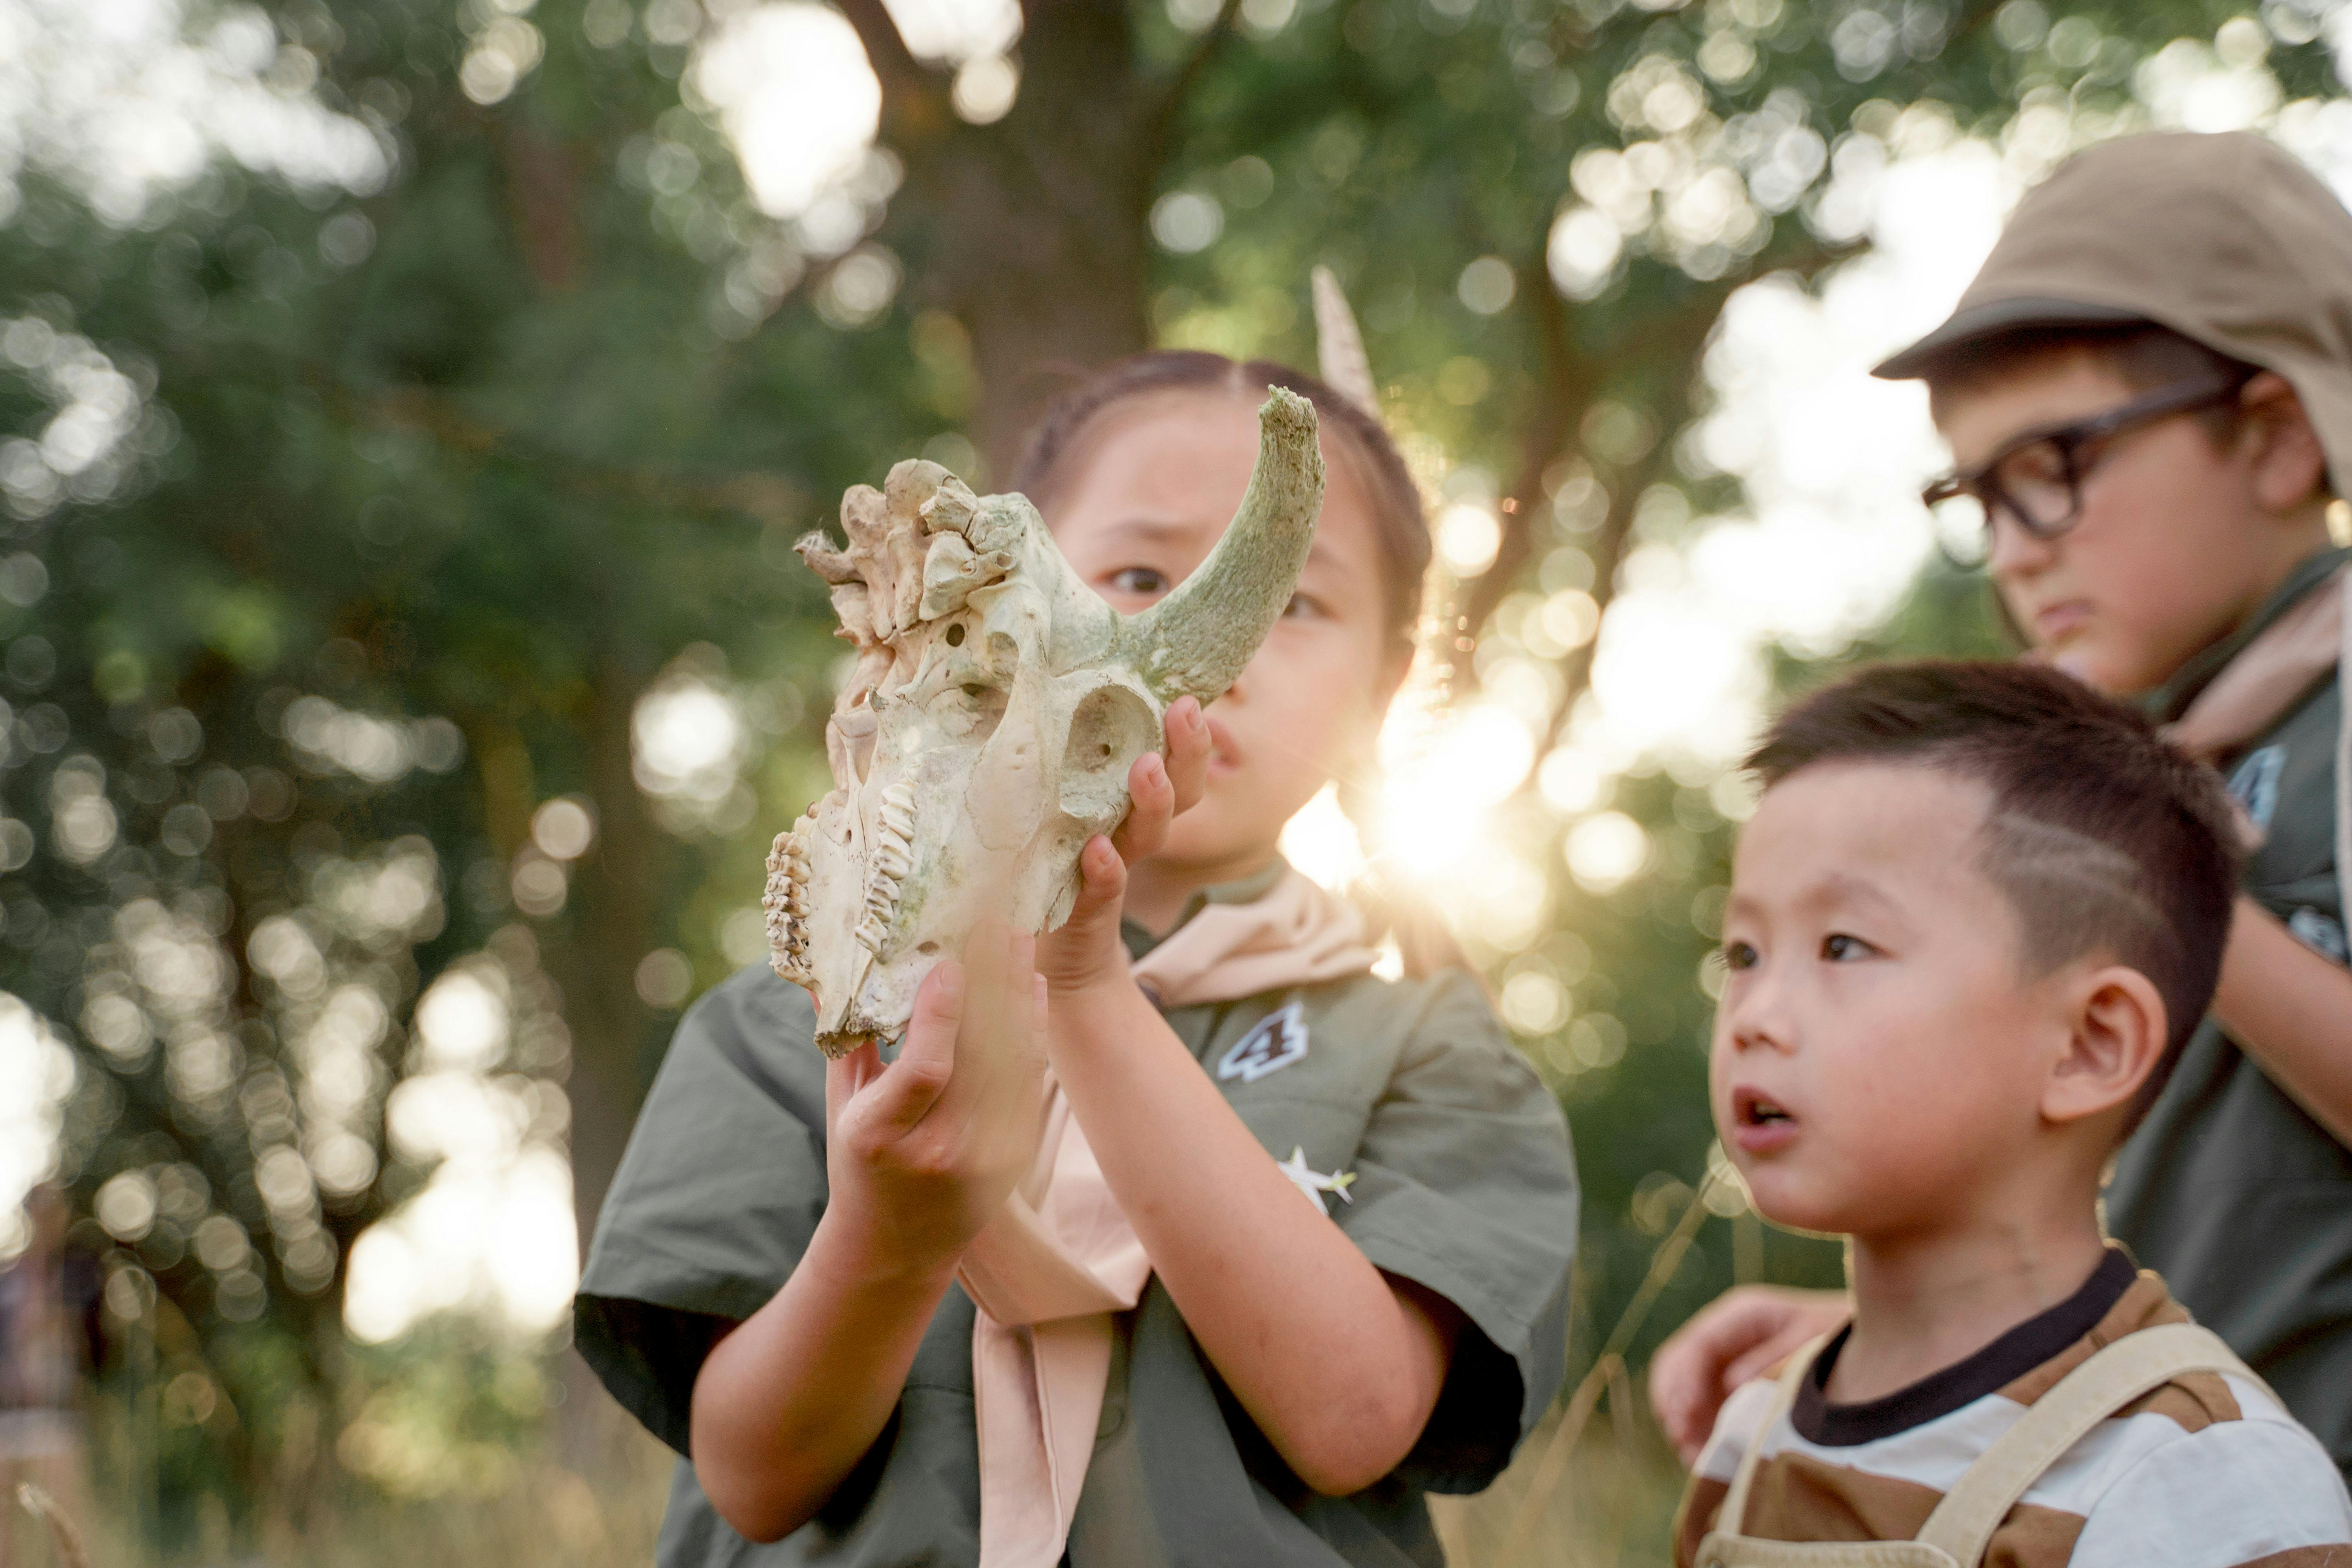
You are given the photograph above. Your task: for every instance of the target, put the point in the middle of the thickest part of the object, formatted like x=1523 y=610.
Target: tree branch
x=1573 y=381
x=886 y=49
x=914 y=94
x=1608 y=553
x=764 y=494
x=1170 y=100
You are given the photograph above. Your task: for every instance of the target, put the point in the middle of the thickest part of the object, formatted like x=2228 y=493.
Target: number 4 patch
x=1279 y=1040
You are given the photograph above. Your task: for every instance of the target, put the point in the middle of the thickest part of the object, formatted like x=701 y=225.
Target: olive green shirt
x=2229 y=1189
x=1463 y=1184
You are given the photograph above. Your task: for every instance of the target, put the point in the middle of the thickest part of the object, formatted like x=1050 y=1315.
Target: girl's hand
x=921 y=1154
x=1087 y=949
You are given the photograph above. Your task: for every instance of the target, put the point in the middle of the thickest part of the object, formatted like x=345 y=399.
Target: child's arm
x=1338 y=1364
x=918 y=1155
x=2292 y=1011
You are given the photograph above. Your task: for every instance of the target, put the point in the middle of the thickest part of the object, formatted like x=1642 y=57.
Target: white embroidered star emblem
x=1314 y=1183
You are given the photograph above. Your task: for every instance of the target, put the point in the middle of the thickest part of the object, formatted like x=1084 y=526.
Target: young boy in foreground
x=1977 y=915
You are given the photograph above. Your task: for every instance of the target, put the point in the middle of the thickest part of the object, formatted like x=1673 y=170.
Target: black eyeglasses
x=2036 y=480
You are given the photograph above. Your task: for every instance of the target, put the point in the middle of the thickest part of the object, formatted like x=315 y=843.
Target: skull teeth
x=784 y=902
x=896 y=817
x=891 y=856
x=881 y=899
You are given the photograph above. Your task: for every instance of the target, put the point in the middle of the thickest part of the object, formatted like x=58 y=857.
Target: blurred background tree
x=406 y=409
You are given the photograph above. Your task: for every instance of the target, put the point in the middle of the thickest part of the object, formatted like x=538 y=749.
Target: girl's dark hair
x=1364 y=445
x=1403 y=530
x=2104 y=837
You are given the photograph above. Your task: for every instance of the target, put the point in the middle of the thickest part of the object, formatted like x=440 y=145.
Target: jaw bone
x=995 y=707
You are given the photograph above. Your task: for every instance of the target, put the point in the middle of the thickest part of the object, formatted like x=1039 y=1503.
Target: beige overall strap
x=1733 y=1515
x=1964 y=1522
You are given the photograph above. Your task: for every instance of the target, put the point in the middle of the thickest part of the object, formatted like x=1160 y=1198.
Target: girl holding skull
x=787 y=1282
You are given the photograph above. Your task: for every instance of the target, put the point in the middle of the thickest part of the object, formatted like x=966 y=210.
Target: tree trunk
x=1031 y=230
x=613 y=892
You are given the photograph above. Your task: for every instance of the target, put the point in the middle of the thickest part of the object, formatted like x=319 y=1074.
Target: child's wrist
x=1098 y=1009
x=857 y=1242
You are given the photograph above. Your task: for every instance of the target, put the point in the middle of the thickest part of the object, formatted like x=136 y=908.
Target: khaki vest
x=1962 y=1525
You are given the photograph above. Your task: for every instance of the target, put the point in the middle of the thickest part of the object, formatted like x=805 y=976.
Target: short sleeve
x=716 y=1196
x=2233 y=1493
x=1465 y=1185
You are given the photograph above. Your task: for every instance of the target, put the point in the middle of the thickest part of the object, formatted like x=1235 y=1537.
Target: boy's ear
x=2115 y=1039
x=2289 y=464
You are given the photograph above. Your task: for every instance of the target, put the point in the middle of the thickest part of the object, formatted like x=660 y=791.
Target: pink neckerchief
x=2270 y=674
x=2258 y=687
x=1059 y=1259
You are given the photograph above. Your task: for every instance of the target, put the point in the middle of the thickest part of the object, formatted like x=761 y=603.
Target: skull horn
x=1194 y=642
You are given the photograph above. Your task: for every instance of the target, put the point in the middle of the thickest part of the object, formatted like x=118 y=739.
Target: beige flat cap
x=2227 y=239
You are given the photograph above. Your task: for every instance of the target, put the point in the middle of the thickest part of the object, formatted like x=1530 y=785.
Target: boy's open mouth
x=1759 y=1121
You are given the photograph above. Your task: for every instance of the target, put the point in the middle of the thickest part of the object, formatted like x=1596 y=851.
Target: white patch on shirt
x=2256 y=783
x=1279 y=1040
x=2320 y=934
x=2233 y=1492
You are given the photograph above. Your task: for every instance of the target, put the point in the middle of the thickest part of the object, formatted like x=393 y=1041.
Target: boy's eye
x=1139 y=580
x=2042 y=462
x=1839 y=947
x=1738 y=955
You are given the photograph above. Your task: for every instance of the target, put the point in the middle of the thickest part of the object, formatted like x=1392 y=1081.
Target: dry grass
x=590 y=1496
x=593 y=1497
x=1611 y=1506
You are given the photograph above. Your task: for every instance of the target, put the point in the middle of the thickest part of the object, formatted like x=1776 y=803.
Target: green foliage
x=413 y=493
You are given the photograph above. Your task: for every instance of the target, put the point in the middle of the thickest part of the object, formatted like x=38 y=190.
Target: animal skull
x=996 y=706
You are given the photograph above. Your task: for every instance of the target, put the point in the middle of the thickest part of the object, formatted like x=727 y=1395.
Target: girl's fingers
x=1002 y=1031
x=845 y=1076
x=1188 y=751
x=1102 y=891
x=1153 y=799
x=987 y=965
x=1004 y=1055
x=1159 y=787
x=909 y=1087
x=1024 y=1013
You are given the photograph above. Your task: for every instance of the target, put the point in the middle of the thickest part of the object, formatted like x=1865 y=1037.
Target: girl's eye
x=1300 y=607
x=1139 y=580
x=1739 y=955
x=1839 y=947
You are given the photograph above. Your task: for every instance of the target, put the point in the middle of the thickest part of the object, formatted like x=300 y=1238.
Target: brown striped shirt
x=2207 y=1472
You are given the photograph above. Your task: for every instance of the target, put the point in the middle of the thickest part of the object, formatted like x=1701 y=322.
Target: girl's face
x=1154 y=483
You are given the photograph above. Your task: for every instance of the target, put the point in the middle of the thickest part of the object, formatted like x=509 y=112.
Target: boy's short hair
x=2144 y=356
x=2104 y=837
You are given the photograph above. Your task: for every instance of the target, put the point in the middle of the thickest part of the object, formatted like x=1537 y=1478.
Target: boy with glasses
x=2148 y=389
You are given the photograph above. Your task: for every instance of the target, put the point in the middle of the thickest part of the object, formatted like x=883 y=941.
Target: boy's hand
x=1087 y=951
x=1733 y=1341
x=921 y=1154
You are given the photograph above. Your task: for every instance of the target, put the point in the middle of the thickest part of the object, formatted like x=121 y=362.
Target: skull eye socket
x=1108 y=729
